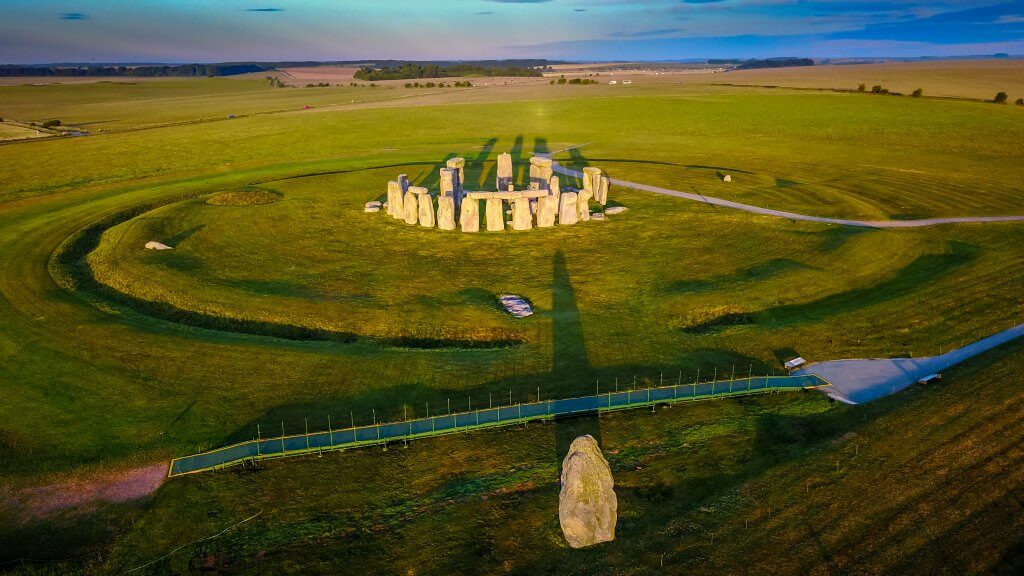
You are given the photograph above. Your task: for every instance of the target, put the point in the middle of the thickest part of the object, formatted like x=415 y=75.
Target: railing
x=264 y=448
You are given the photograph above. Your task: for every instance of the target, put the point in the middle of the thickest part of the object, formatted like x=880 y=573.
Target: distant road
x=793 y=216
x=859 y=381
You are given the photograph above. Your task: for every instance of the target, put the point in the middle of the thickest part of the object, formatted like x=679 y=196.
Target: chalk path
x=792 y=215
x=859 y=381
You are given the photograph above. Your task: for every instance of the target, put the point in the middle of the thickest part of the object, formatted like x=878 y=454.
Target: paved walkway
x=859 y=381
x=792 y=215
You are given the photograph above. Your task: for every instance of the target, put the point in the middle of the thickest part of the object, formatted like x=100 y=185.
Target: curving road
x=859 y=381
x=792 y=215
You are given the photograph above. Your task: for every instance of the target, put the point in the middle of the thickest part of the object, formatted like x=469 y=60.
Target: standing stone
x=540 y=173
x=446 y=213
x=426 y=210
x=583 y=205
x=587 y=506
x=495 y=215
x=504 y=171
x=601 y=195
x=547 y=208
x=567 y=214
x=395 y=209
x=448 y=177
x=469 y=215
x=534 y=176
x=403 y=181
x=521 y=218
x=459 y=165
x=591 y=175
x=411 y=210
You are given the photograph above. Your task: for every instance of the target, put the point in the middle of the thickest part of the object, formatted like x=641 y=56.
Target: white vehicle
x=795 y=363
x=613 y=82
x=627 y=81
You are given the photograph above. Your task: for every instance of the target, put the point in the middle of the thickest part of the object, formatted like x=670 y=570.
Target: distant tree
x=51 y=123
x=430 y=85
x=310 y=85
x=883 y=91
x=876 y=89
x=408 y=84
x=1000 y=98
x=862 y=88
x=917 y=93
x=551 y=82
x=562 y=80
x=1019 y=102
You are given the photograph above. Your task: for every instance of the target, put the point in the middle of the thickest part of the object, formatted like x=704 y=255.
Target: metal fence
x=381 y=433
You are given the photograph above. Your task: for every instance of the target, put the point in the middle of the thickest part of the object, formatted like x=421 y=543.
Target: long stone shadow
x=431 y=177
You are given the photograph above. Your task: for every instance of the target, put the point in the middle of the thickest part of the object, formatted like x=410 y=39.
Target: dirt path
x=792 y=215
x=85 y=491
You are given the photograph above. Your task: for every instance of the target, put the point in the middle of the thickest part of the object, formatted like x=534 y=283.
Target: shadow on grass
x=761 y=271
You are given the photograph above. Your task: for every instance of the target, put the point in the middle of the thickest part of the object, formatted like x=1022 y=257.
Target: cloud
x=520 y=1
x=485 y=13
x=645 y=33
x=264 y=9
x=74 y=16
x=1010 y=19
x=579 y=9
x=701 y=1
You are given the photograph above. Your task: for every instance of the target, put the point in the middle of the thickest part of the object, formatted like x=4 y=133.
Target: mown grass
x=93 y=384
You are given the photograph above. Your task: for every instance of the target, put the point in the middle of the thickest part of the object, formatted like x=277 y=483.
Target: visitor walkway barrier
x=265 y=448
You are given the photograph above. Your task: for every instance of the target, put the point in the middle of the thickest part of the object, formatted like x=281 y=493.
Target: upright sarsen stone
x=583 y=205
x=410 y=207
x=395 y=208
x=540 y=173
x=459 y=166
x=504 y=171
x=426 y=208
x=587 y=506
x=446 y=213
x=521 y=217
x=601 y=194
x=469 y=215
x=495 y=214
x=567 y=215
x=447 y=182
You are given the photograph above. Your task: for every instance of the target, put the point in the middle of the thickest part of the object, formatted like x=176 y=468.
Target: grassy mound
x=252 y=197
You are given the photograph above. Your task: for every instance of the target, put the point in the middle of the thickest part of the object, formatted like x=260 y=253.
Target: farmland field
x=115 y=359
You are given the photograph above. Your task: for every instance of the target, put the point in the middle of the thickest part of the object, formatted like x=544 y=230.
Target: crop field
x=283 y=305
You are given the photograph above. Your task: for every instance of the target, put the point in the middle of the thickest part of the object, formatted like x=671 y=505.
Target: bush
x=430 y=85
x=876 y=89
x=1019 y=102
x=51 y=123
x=862 y=88
x=576 y=81
x=562 y=80
x=1000 y=98
x=917 y=93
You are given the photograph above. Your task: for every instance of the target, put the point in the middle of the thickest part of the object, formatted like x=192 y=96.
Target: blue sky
x=39 y=31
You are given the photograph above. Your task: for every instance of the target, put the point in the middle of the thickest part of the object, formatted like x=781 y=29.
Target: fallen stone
x=598 y=216
x=154 y=245
x=446 y=213
x=521 y=217
x=372 y=206
x=727 y=178
x=587 y=506
x=516 y=305
x=495 y=215
x=469 y=215
x=567 y=214
x=615 y=210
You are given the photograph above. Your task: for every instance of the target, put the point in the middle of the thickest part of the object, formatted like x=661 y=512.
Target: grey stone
x=396 y=207
x=615 y=210
x=446 y=213
x=601 y=194
x=447 y=182
x=583 y=205
x=495 y=214
x=587 y=505
x=567 y=214
x=403 y=181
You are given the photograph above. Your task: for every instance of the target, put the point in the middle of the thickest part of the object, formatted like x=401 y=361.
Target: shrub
x=51 y=123
x=552 y=82
x=309 y=85
x=576 y=81
x=917 y=93
x=430 y=85
x=1019 y=102
x=1000 y=98
x=562 y=80
x=876 y=89
x=862 y=88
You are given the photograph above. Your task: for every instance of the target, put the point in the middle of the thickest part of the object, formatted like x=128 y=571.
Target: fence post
x=330 y=429
x=305 y=421
x=259 y=440
x=282 y=436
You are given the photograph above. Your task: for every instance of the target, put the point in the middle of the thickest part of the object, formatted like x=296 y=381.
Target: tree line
x=183 y=70
x=410 y=71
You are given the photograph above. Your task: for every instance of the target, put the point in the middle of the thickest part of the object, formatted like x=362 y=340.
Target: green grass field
x=115 y=357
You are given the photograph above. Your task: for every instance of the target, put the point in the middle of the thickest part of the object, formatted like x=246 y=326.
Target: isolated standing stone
x=410 y=207
x=567 y=215
x=504 y=171
x=469 y=215
x=601 y=194
x=495 y=215
x=587 y=506
x=446 y=213
x=521 y=217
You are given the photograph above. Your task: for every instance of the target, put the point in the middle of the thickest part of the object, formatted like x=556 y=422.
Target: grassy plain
x=95 y=381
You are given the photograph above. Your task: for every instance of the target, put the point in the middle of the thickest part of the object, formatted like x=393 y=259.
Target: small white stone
x=615 y=210
x=154 y=245
x=599 y=216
